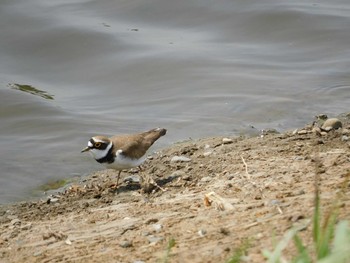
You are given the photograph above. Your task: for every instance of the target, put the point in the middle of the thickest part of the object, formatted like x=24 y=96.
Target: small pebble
x=180 y=159
x=202 y=232
x=68 y=242
x=15 y=222
x=275 y=202
x=153 y=239
x=177 y=174
x=125 y=244
x=302 y=132
x=206 y=179
x=346 y=132
x=36 y=254
x=157 y=227
x=227 y=141
x=207 y=153
x=345 y=138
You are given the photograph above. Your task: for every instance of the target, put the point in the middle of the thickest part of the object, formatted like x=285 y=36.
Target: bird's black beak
x=85 y=149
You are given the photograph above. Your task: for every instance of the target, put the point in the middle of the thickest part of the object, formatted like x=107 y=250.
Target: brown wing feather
x=136 y=145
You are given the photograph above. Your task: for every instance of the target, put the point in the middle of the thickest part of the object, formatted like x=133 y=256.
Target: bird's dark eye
x=97 y=144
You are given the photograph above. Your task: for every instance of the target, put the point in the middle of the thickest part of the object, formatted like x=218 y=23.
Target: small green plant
x=239 y=252
x=331 y=241
x=171 y=244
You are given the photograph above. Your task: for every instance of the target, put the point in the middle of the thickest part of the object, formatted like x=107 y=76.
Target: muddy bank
x=217 y=195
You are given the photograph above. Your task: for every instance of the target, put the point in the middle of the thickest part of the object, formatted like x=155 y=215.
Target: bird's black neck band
x=109 y=158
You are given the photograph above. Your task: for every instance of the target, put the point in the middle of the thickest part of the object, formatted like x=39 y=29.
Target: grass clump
x=239 y=252
x=171 y=244
x=331 y=241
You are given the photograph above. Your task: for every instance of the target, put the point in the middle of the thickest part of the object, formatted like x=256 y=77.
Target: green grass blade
x=239 y=252
x=303 y=255
x=275 y=256
x=341 y=245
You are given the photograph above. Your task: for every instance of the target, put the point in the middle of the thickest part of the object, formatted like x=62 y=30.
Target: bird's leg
x=115 y=186
x=118 y=178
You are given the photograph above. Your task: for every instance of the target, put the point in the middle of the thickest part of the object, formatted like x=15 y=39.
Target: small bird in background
x=122 y=152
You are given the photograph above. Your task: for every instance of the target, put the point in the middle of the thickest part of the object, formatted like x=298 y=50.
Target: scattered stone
x=153 y=239
x=302 y=132
x=316 y=130
x=132 y=179
x=37 y=253
x=207 y=153
x=177 y=174
x=332 y=124
x=139 y=261
x=301 y=192
x=146 y=233
x=268 y=131
x=230 y=176
x=68 y=242
x=51 y=200
x=227 y=141
x=187 y=177
x=27 y=226
x=345 y=131
x=15 y=222
x=181 y=158
x=206 y=179
x=345 y=138
x=275 y=202
x=157 y=227
x=202 y=232
x=151 y=220
x=125 y=244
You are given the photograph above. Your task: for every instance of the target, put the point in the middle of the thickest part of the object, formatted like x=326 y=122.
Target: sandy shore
x=220 y=194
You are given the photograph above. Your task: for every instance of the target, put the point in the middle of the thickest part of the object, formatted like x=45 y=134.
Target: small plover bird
x=122 y=152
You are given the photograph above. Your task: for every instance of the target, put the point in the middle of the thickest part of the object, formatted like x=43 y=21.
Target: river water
x=70 y=69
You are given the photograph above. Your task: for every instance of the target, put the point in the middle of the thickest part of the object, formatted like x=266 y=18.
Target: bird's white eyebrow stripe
x=98 y=140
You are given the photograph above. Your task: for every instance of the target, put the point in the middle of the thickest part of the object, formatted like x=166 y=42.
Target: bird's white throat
x=99 y=154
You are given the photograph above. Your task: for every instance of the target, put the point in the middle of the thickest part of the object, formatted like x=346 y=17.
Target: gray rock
x=125 y=244
x=227 y=141
x=181 y=158
x=207 y=153
x=202 y=232
x=302 y=132
x=177 y=174
x=331 y=124
x=206 y=179
x=15 y=222
x=154 y=239
x=345 y=138
x=132 y=179
x=157 y=227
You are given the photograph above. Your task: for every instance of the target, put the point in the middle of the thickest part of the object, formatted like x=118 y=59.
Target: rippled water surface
x=71 y=69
